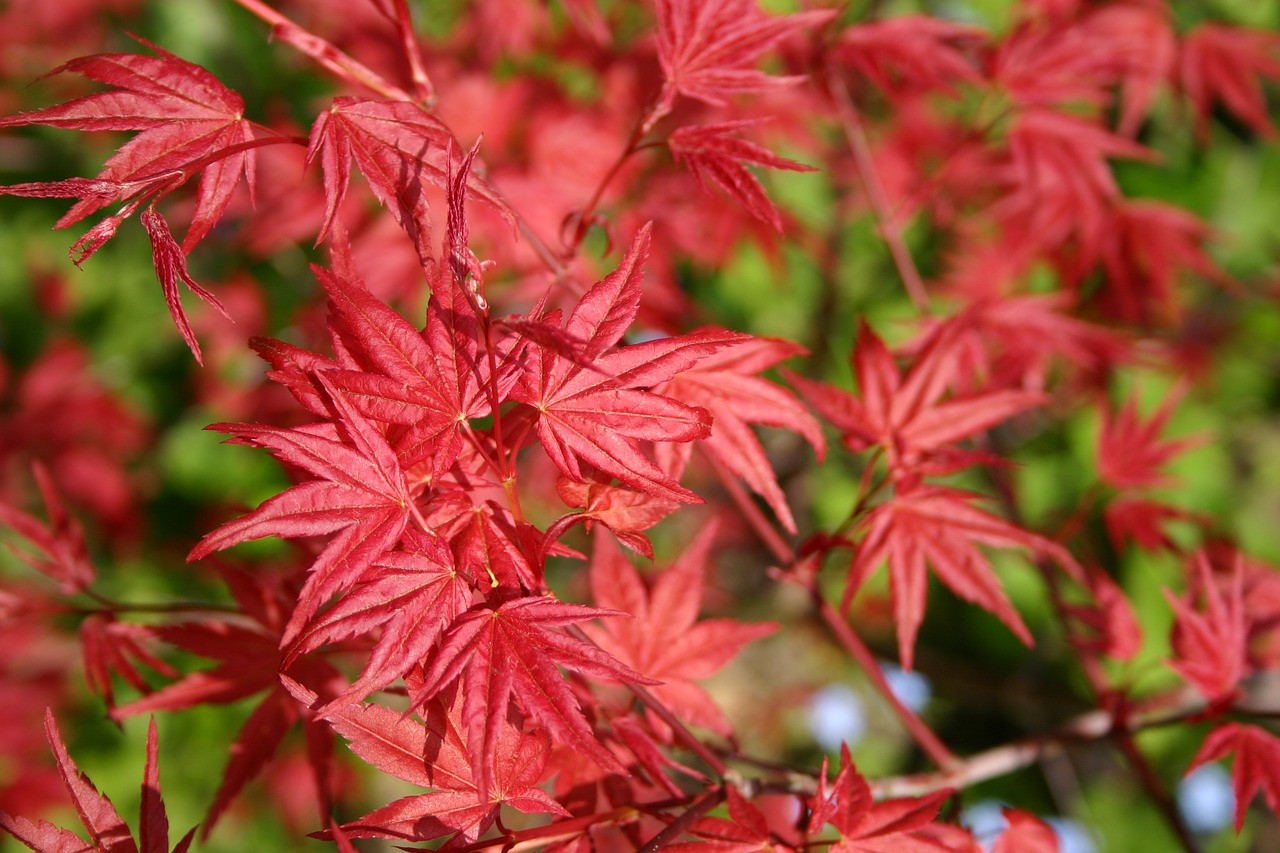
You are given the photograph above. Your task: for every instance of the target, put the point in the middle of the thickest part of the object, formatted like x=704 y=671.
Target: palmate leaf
x=866 y=826
x=1211 y=646
x=939 y=526
x=399 y=148
x=1257 y=763
x=433 y=753
x=665 y=641
x=360 y=493
x=430 y=381
x=726 y=384
x=412 y=594
x=188 y=122
x=716 y=157
x=905 y=413
x=108 y=833
x=249 y=662
x=1130 y=449
x=624 y=511
x=597 y=415
x=708 y=48
x=510 y=652
x=746 y=831
x=184 y=114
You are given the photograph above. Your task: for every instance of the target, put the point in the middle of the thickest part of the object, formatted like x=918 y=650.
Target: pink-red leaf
x=1257 y=764
x=716 y=157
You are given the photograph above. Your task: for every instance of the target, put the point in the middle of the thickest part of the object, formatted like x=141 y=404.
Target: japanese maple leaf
x=108 y=833
x=249 y=661
x=911 y=53
x=1257 y=764
x=1064 y=183
x=185 y=115
x=510 y=652
x=189 y=122
x=60 y=551
x=1130 y=449
x=1211 y=647
x=903 y=413
x=1026 y=833
x=1145 y=247
x=411 y=595
x=665 y=641
x=430 y=381
x=359 y=492
x=715 y=157
x=939 y=526
x=597 y=415
x=708 y=48
x=1109 y=623
x=434 y=754
x=626 y=512
x=746 y=830
x=1221 y=63
x=866 y=826
x=398 y=147
x=728 y=386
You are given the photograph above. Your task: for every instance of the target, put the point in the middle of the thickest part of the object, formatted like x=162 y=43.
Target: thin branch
x=413 y=53
x=676 y=828
x=861 y=148
x=344 y=66
x=920 y=732
x=845 y=635
x=678 y=728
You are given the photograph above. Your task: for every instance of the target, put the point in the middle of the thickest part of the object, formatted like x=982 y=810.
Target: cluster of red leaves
x=421 y=552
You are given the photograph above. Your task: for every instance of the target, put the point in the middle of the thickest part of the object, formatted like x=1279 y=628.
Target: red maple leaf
x=510 y=652
x=715 y=157
x=904 y=413
x=1257 y=764
x=430 y=381
x=250 y=661
x=1026 y=833
x=866 y=826
x=410 y=595
x=598 y=414
x=1130 y=450
x=746 y=831
x=184 y=114
x=727 y=385
x=708 y=48
x=189 y=123
x=108 y=833
x=1221 y=63
x=910 y=54
x=1211 y=647
x=434 y=754
x=939 y=526
x=624 y=511
x=400 y=148
x=665 y=641
x=359 y=492
x=60 y=552
x=1144 y=247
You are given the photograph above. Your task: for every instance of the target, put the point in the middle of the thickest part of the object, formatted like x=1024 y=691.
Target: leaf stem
x=110 y=605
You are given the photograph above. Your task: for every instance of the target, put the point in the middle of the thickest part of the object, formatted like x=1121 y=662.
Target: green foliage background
x=117 y=313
